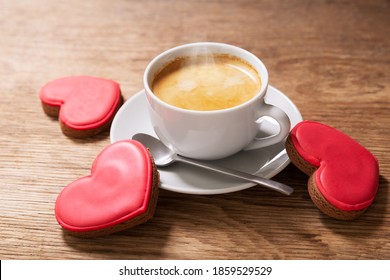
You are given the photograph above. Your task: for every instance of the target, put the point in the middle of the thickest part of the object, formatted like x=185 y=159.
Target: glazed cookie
x=121 y=192
x=84 y=105
x=343 y=174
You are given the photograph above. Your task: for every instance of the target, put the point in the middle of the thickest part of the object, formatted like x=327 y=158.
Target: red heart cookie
x=120 y=192
x=85 y=105
x=343 y=174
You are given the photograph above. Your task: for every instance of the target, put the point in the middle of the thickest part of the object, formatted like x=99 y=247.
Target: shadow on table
x=140 y=242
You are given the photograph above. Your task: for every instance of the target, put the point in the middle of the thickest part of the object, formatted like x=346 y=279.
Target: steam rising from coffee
x=205 y=82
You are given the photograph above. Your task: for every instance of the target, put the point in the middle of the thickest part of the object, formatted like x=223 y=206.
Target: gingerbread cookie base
x=325 y=206
x=130 y=223
x=120 y=192
x=343 y=174
x=84 y=105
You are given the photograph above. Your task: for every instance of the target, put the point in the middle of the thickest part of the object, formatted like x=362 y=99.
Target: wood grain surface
x=331 y=58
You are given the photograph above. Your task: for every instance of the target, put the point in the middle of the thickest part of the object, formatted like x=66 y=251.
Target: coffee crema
x=206 y=83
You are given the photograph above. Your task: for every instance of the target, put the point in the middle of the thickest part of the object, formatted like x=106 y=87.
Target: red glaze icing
x=86 y=102
x=347 y=174
x=117 y=190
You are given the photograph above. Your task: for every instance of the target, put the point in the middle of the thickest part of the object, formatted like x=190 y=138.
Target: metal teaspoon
x=164 y=156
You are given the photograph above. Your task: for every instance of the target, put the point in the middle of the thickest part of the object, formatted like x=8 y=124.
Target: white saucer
x=133 y=118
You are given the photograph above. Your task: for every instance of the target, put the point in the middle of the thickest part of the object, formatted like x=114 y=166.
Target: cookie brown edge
x=53 y=111
x=318 y=199
x=296 y=158
x=142 y=218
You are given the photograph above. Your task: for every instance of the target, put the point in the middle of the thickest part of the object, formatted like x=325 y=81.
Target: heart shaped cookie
x=343 y=174
x=120 y=192
x=85 y=105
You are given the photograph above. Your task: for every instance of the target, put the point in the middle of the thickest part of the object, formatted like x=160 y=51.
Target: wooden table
x=331 y=58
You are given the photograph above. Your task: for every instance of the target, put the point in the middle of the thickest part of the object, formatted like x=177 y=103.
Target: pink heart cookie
x=343 y=174
x=120 y=192
x=85 y=105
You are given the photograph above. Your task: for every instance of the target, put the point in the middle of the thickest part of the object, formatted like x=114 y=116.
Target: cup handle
x=284 y=127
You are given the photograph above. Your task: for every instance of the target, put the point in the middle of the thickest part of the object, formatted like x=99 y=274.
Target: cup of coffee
x=205 y=100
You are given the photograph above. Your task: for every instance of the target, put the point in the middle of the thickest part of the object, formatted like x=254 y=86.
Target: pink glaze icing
x=117 y=190
x=347 y=174
x=86 y=102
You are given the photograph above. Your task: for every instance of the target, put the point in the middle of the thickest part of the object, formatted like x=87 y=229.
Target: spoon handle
x=279 y=187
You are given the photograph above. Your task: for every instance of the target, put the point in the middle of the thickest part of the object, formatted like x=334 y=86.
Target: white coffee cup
x=212 y=134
